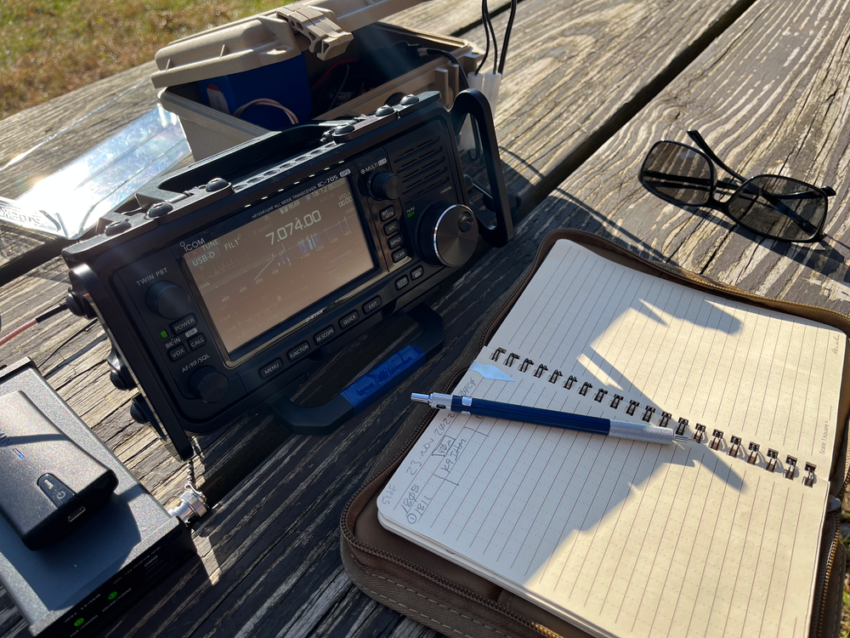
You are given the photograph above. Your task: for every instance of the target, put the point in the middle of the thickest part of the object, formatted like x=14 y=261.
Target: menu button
x=271 y=368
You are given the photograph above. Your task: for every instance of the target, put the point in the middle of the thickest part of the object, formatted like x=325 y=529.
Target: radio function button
x=209 y=385
x=178 y=352
x=184 y=324
x=401 y=282
x=174 y=341
x=298 y=351
x=372 y=305
x=197 y=341
x=349 y=319
x=399 y=255
x=417 y=272
x=325 y=333
x=270 y=369
x=387 y=214
x=391 y=228
x=167 y=300
x=395 y=242
x=191 y=333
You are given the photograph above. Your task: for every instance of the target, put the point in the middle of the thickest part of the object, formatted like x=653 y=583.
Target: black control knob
x=208 y=384
x=447 y=234
x=385 y=185
x=167 y=300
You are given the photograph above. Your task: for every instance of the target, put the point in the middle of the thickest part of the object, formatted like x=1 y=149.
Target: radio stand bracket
x=361 y=393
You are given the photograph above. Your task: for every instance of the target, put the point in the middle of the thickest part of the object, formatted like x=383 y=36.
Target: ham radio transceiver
x=225 y=281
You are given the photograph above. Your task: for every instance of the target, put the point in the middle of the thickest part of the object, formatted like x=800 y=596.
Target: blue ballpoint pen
x=551 y=418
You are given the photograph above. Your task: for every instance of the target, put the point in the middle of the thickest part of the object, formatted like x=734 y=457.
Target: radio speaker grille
x=422 y=166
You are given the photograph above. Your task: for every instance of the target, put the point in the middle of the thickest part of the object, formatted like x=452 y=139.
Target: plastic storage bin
x=319 y=59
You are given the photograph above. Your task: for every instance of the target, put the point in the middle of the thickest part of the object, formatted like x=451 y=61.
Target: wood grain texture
x=770 y=96
x=269 y=554
x=447 y=17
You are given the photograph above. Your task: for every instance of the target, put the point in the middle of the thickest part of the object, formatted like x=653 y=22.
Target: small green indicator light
x=411 y=213
x=113 y=595
x=79 y=621
x=164 y=334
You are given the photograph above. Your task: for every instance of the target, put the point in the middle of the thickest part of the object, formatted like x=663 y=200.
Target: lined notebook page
x=619 y=537
x=759 y=374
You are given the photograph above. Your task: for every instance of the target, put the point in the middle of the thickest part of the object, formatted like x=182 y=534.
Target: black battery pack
x=75 y=587
x=49 y=486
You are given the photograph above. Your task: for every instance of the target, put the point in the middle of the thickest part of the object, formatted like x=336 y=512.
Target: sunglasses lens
x=678 y=173
x=779 y=207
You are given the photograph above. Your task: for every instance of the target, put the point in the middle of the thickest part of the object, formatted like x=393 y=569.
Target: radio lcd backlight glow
x=257 y=276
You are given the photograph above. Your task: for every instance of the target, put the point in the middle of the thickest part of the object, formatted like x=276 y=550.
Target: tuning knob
x=208 y=384
x=448 y=234
x=167 y=300
x=385 y=185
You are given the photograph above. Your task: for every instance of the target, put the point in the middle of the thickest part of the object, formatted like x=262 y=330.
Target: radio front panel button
x=177 y=353
x=388 y=213
x=391 y=228
x=197 y=341
x=271 y=369
x=372 y=305
x=191 y=333
x=174 y=341
x=417 y=272
x=184 y=324
x=324 y=334
x=395 y=242
x=298 y=351
x=399 y=255
x=349 y=320
x=401 y=282
x=167 y=300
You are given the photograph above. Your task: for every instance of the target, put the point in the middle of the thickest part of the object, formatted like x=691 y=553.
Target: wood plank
x=282 y=519
x=784 y=110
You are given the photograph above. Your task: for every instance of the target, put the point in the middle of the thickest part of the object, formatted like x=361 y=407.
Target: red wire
x=332 y=67
x=29 y=324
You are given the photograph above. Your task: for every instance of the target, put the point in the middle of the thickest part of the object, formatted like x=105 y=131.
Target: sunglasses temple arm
x=830 y=192
x=705 y=148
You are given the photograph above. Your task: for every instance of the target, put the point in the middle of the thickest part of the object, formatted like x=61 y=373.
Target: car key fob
x=49 y=486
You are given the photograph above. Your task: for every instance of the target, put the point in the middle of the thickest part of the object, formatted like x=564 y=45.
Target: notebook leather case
x=456 y=602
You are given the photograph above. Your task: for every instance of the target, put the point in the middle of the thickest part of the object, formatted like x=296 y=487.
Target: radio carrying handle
x=472 y=102
x=359 y=394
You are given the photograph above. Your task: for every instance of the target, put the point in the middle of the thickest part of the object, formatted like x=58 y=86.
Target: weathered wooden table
x=590 y=85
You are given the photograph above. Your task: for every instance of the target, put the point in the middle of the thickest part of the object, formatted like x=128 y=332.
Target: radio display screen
x=256 y=277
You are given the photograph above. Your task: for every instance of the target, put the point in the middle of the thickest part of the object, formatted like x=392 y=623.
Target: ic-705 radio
x=235 y=276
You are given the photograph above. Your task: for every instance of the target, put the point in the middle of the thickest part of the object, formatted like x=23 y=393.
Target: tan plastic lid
x=322 y=26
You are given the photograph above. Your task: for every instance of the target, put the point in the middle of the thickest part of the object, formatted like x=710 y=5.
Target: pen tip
x=419 y=398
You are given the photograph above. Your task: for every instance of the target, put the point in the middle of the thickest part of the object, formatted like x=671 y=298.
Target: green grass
x=50 y=47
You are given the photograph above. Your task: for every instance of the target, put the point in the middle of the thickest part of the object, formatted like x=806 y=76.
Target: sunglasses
x=770 y=205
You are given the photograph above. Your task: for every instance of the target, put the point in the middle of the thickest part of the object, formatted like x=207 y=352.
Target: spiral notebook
x=714 y=536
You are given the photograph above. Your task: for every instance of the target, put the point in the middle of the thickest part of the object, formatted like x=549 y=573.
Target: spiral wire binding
x=618 y=401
